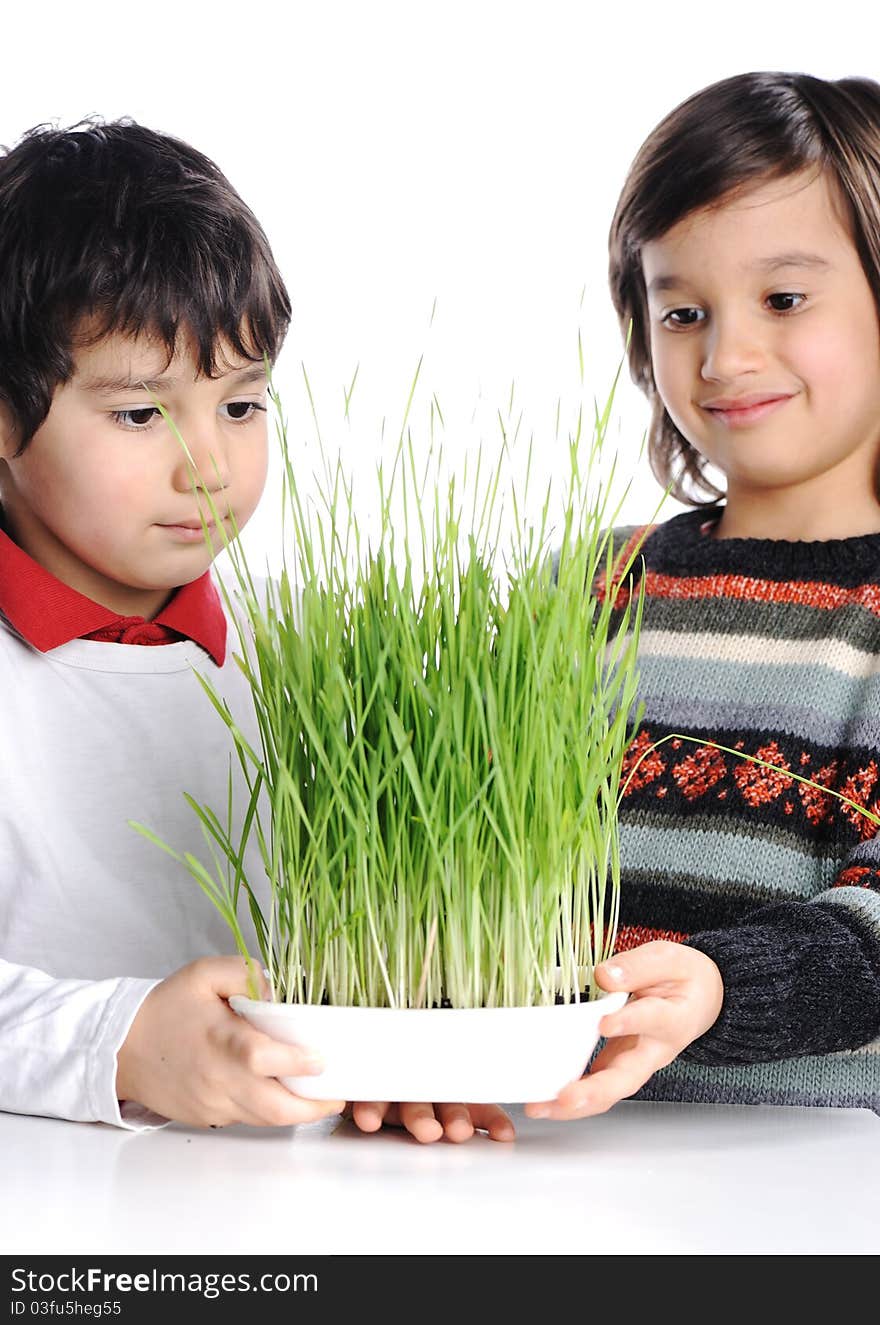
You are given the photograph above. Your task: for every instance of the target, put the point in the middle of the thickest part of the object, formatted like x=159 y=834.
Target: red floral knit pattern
x=818 y=805
x=698 y=773
x=651 y=767
x=703 y=771
x=759 y=786
x=858 y=788
x=858 y=876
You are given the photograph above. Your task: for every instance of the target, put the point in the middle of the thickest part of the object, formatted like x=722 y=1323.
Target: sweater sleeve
x=58 y=1045
x=799 y=977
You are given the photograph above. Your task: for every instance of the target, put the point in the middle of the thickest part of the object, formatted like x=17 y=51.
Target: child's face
x=102 y=495
x=729 y=326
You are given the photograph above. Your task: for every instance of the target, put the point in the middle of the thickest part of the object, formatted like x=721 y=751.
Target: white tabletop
x=642 y=1178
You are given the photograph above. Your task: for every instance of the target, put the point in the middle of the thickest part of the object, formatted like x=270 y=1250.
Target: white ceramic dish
x=471 y=1055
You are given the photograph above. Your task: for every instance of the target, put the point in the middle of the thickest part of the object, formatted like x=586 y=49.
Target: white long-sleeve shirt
x=92 y=915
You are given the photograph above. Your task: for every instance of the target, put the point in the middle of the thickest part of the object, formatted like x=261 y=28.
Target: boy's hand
x=677 y=994
x=430 y=1122
x=189 y=1057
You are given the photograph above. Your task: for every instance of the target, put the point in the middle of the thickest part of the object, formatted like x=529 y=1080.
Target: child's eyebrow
x=793 y=259
x=108 y=386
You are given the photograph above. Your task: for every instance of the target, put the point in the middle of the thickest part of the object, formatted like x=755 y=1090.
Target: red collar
x=48 y=613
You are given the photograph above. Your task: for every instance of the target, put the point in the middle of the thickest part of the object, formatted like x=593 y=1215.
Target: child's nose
x=734 y=345
x=205 y=462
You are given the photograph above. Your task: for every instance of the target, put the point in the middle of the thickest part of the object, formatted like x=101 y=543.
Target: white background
x=402 y=153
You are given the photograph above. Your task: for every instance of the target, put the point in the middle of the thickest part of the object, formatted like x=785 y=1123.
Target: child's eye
x=142 y=418
x=786 y=295
x=248 y=410
x=684 y=317
x=136 y=419
x=677 y=312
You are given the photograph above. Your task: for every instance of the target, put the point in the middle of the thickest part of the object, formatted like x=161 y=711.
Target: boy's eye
x=141 y=418
x=241 y=410
x=135 y=418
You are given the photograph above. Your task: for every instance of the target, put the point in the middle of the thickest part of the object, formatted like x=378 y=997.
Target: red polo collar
x=48 y=613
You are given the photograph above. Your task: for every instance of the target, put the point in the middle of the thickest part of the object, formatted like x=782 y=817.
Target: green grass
x=443 y=714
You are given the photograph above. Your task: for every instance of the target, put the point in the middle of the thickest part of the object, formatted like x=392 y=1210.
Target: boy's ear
x=8 y=432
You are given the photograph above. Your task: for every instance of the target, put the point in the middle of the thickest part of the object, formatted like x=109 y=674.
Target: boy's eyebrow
x=108 y=386
x=795 y=258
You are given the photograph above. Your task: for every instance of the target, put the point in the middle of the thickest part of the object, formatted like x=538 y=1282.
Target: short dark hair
x=732 y=135
x=122 y=228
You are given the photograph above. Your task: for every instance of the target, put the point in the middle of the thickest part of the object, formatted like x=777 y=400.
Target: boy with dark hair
x=130 y=271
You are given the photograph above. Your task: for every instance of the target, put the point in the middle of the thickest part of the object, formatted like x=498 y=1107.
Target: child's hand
x=677 y=995
x=430 y=1122
x=190 y=1058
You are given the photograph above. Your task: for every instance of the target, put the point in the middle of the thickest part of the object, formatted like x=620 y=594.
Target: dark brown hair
x=122 y=228
x=737 y=132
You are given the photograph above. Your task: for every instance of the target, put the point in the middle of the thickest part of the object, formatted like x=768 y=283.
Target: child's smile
x=742 y=412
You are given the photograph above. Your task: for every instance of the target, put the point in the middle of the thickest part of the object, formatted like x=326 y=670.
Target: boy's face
x=729 y=325
x=103 y=495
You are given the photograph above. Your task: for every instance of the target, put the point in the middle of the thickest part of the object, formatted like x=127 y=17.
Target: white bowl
x=470 y=1055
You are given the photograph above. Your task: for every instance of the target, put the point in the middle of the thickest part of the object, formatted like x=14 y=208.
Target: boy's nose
x=205 y=463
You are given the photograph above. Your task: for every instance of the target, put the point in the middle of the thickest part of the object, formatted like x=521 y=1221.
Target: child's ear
x=8 y=432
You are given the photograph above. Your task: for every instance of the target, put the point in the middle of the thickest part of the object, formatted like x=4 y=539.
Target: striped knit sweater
x=770 y=647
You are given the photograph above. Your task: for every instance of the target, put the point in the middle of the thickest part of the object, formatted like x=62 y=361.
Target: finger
x=616 y=1074
x=369 y=1115
x=491 y=1118
x=420 y=1121
x=456 y=1120
x=270 y=1104
x=598 y=1092
x=550 y=1108
x=648 y=1015
x=262 y=1056
x=650 y=964
x=225 y=976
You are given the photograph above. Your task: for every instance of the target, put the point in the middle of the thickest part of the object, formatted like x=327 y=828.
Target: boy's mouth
x=189 y=531
x=194 y=523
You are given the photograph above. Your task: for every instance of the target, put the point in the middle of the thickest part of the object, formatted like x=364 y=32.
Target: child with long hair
x=745 y=254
